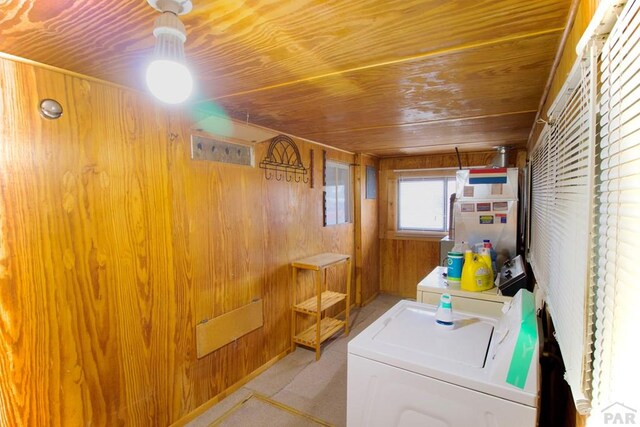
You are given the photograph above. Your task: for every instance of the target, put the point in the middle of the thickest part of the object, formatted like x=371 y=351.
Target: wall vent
x=205 y=148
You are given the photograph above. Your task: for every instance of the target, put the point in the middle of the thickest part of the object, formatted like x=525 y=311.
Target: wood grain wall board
x=228 y=327
x=358 y=196
x=308 y=67
x=114 y=244
x=585 y=12
x=367 y=264
x=235 y=46
x=404 y=262
x=95 y=294
x=442 y=160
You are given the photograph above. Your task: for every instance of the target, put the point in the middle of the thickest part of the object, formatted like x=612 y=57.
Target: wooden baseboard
x=217 y=398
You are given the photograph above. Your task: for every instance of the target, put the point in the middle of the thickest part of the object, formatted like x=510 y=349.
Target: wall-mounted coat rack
x=283 y=161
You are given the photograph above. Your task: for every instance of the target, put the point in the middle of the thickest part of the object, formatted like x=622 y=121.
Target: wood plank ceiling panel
x=502 y=79
x=298 y=40
x=242 y=47
x=470 y=134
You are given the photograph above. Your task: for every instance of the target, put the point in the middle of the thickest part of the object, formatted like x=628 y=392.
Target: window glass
x=337 y=193
x=342 y=195
x=423 y=203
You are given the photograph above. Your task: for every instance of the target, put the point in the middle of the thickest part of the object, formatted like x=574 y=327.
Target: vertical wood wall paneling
x=114 y=244
x=87 y=227
x=367 y=242
x=404 y=262
x=585 y=11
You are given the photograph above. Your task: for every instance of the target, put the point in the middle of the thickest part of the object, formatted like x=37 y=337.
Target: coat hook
x=284 y=158
x=172 y=136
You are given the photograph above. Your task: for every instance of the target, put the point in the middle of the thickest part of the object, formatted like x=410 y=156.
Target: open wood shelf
x=322 y=300
x=328 y=327
x=318 y=262
x=310 y=306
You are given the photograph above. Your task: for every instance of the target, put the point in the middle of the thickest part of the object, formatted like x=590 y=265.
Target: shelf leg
x=294 y=281
x=348 y=300
x=319 y=275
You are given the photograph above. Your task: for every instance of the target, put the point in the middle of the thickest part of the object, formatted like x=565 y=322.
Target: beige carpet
x=297 y=389
x=260 y=410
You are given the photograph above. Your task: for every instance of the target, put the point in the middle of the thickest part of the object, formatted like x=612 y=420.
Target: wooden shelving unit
x=324 y=326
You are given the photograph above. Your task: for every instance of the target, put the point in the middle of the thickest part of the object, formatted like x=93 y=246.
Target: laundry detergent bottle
x=444 y=314
x=485 y=256
x=476 y=275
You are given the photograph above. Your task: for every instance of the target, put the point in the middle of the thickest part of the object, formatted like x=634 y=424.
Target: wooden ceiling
x=383 y=77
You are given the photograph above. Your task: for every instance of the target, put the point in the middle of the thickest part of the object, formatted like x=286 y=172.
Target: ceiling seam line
x=424 y=123
x=460 y=144
x=65 y=72
x=433 y=53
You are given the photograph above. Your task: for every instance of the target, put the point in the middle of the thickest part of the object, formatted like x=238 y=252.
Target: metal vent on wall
x=203 y=148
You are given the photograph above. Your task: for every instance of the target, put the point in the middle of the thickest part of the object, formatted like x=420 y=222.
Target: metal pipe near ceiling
x=556 y=61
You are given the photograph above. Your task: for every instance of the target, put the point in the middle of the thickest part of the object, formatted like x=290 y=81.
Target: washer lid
x=416 y=330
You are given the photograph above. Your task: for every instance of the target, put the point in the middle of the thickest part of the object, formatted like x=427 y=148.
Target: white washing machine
x=405 y=370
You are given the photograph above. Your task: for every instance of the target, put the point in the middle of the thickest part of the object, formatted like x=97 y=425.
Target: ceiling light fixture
x=168 y=77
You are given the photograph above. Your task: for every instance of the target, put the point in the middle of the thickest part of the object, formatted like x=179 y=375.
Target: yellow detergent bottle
x=485 y=256
x=476 y=276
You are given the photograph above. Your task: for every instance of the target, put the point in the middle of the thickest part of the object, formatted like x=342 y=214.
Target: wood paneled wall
x=114 y=244
x=406 y=261
x=367 y=241
x=585 y=11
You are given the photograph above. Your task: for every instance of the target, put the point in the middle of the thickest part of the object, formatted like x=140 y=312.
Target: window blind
x=541 y=193
x=616 y=272
x=562 y=206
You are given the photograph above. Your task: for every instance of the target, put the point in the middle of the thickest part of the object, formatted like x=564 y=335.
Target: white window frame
x=394 y=205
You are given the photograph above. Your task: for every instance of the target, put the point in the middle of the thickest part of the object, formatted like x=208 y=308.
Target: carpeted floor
x=298 y=391
x=255 y=409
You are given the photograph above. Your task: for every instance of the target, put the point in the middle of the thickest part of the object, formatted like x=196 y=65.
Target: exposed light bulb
x=168 y=78
x=169 y=81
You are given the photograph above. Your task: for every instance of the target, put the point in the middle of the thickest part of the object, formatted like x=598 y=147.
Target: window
x=337 y=194
x=617 y=223
x=423 y=203
x=561 y=206
x=585 y=216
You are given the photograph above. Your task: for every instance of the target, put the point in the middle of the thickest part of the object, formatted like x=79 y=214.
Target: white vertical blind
x=616 y=361
x=562 y=196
